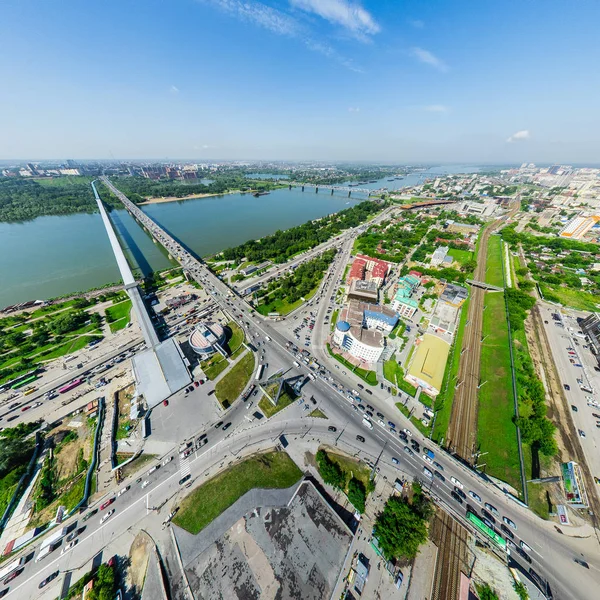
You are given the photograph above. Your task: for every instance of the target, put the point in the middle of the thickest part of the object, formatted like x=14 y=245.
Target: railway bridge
x=333 y=188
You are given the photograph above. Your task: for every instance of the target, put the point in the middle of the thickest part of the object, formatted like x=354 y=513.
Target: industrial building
x=455 y=295
x=579 y=226
x=207 y=338
x=428 y=364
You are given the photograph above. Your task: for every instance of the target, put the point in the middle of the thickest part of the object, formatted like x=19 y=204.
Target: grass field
x=272 y=470
x=214 y=366
x=494 y=274
x=317 y=414
x=394 y=373
x=414 y=420
x=574 y=298
x=267 y=406
x=118 y=315
x=443 y=401
x=237 y=336
x=369 y=376
x=231 y=385
x=461 y=256
x=354 y=468
x=496 y=432
x=283 y=307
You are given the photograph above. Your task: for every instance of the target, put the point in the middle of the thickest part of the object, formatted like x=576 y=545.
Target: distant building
x=577 y=227
x=207 y=338
x=363 y=290
x=439 y=256
x=371 y=269
x=591 y=328
x=454 y=295
x=403 y=303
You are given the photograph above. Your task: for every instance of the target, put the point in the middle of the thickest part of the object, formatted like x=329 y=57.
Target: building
x=177 y=301
x=591 y=328
x=357 y=271
x=207 y=338
x=455 y=295
x=363 y=290
x=361 y=343
x=444 y=319
x=439 y=256
x=426 y=369
x=577 y=227
x=371 y=269
x=379 y=317
x=404 y=304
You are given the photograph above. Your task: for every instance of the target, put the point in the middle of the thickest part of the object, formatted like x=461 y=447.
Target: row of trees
x=281 y=245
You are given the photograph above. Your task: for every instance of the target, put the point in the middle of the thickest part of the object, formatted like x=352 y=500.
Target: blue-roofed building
x=404 y=304
x=379 y=317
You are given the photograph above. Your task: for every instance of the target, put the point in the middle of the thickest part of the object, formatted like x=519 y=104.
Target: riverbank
x=163 y=199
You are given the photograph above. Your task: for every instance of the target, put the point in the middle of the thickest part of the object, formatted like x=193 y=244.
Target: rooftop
x=429 y=361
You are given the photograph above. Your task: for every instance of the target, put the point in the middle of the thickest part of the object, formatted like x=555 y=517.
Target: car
x=107 y=515
x=369 y=407
x=381 y=416
x=596 y=415
x=226 y=426
x=492 y=509
x=439 y=476
x=219 y=424
x=488 y=523
x=392 y=424
x=427 y=473
x=488 y=516
x=184 y=479
x=332 y=428
x=438 y=466
x=361 y=386
x=507 y=531
x=456 y=497
x=13 y=575
x=475 y=496
x=25 y=408
x=581 y=433
x=525 y=547
x=457 y=483
x=360 y=438
x=574 y=408
x=147 y=482
x=395 y=460
x=90 y=514
x=360 y=407
x=71 y=537
x=312 y=399
x=48 y=579
x=582 y=563
x=567 y=387
x=408 y=451
x=196 y=383
x=408 y=432
x=427 y=459
x=165 y=403
x=107 y=503
x=460 y=493
x=70 y=546
x=524 y=555
x=124 y=490
x=369 y=392
x=369 y=413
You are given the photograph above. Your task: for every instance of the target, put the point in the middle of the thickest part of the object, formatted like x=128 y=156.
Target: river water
x=53 y=256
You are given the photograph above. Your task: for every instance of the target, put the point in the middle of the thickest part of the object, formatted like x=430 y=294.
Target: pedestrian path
x=184 y=467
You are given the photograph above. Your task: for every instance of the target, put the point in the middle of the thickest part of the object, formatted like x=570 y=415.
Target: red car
x=25 y=408
x=13 y=575
x=107 y=503
x=196 y=383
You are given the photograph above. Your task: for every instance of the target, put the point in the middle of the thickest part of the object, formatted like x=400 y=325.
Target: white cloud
x=350 y=15
x=519 y=136
x=174 y=90
x=416 y=23
x=331 y=53
x=436 y=108
x=353 y=109
x=429 y=58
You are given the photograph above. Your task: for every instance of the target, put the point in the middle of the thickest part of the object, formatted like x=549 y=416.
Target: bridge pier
x=302 y=188
x=316 y=190
x=332 y=191
x=290 y=187
x=349 y=194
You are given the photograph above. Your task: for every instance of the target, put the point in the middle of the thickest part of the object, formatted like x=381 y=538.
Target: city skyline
x=321 y=80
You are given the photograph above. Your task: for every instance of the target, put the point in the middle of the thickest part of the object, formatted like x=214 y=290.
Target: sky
x=332 y=80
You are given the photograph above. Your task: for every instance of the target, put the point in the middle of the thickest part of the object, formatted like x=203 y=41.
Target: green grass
x=283 y=307
x=461 y=256
x=214 y=366
x=398 y=330
x=69 y=347
x=267 y=471
x=494 y=274
x=237 y=336
x=394 y=373
x=118 y=315
x=416 y=422
x=443 y=401
x=369 y=377
x=334 y=316
x=267 y=406
x=496 y=432
x=317 y=414
x=353 y=467
x=574 y=298
x=231 y=386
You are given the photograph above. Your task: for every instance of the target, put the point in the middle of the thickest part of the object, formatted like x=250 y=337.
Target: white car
x=69 y=547
x=475 y=496
x=457 y=483
x=107 y=515
x=145 y=484
x=407 y=432
x=427 y=459
x=123 y=491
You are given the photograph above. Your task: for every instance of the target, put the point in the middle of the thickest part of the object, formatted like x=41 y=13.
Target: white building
x=439 y=255
x=361 y=343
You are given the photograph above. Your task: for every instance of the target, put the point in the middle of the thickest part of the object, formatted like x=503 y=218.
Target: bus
x=70 y=386
x=23 y=382
x=11 y=567
x=490 y=533
x=259 y=372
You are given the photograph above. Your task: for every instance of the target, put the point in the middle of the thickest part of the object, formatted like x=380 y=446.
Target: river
x=53 y=256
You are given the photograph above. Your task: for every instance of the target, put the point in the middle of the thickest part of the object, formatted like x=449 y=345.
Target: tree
x=330 y=472
x=521 y=590
x=357 y=494
x=400 y=530
x=486 y=592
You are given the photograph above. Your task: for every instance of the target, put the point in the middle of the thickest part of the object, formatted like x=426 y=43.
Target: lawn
x=214 y=366
x=574 y=298
x=398 y=330
x=282 y=306
x=443 y=401
x=496 y=432
x=231 y=386
x=494 y=274
x=269 y=410
x=317 y=414
x=369 y=377
x=334 y=316
x=118 y=315
x=267 y=471
x=237 y=336
x=394 y=373
x=351 y=466
x=461 y=256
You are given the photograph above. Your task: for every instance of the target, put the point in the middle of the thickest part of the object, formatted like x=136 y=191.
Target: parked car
x=107 y=503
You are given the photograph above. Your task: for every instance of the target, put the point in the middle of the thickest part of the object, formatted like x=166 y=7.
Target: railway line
x=462 y=429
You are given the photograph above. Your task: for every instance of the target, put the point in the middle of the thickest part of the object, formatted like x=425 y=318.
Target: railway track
x=451 y=539
x=461 y=437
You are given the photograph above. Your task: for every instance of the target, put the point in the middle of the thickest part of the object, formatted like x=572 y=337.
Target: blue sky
x=301 y=79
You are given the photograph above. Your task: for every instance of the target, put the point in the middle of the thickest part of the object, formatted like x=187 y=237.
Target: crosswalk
x=184 y=467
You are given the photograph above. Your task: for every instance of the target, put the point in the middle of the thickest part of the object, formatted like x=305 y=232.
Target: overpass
x=485 y=286
x=160 y=370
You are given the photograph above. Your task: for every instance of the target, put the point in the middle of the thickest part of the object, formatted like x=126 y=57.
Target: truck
x=59 y=534
x=283 y=441
x=12 y=566
x=429 y=453
x=296 y=364
x=47 y=550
